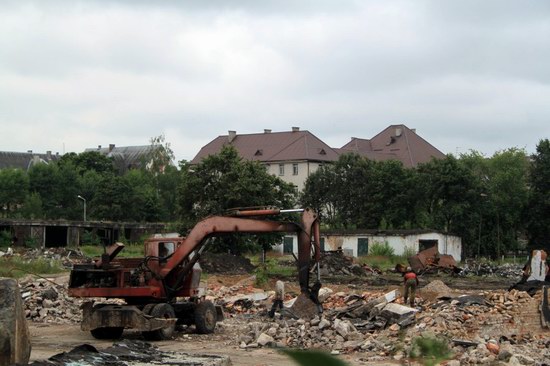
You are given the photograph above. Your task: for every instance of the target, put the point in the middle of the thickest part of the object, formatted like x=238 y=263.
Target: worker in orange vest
x=411 y=282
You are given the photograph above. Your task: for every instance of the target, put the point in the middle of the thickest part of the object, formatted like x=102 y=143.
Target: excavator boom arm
x=307 y=230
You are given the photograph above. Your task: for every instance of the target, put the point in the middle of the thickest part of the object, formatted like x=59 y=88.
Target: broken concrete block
x=396 y=312
x=14 y=338
x=324 y=293
x=264 y=339
x=323 y=324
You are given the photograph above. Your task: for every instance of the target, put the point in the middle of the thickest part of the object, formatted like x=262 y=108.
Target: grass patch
x=16 y=267
x=272 y=268
x=382 y=249
x=381 y=262
x=430 y=350
x=129 y=251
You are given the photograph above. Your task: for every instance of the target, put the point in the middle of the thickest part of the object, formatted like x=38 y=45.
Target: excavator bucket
x=304 y=307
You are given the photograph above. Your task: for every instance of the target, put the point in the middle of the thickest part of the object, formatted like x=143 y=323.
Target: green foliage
x=271 y=268
x=14 y=185
x=160 y=155
x=5 y=239
x=408 y=252
x=381 y=249
x=225 y=181
x=32 y=207
x=16 y=267
x=89 y=161
x=356 y=192
x=538 y=214
x=129 y=251
x=430 y=349
x=89 y=238
x=313 y=358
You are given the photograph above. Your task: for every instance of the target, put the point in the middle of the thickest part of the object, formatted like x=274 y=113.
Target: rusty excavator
x=162 y=289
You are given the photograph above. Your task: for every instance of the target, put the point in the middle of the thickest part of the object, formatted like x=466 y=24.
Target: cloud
x=467 y=75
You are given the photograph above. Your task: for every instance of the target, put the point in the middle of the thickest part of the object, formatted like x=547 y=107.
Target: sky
x=468 y=75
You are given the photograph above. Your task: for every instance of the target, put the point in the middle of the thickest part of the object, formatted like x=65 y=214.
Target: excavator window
x=166 y=249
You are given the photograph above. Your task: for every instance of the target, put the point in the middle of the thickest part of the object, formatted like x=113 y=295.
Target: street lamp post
x=83 y=200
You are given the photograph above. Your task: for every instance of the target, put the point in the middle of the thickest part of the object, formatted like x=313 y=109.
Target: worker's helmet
x=409 y=269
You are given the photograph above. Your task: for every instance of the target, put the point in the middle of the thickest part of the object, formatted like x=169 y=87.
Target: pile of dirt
x=225 y=263
x=336 y=263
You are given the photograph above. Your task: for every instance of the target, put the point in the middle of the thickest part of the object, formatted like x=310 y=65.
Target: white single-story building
x=358 y=242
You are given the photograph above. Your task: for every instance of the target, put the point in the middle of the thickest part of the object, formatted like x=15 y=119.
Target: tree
x=45 y=181
x=160 y=155
x=88 y=161
x=448 y=192
x=225 y=181
x=111 y=201
x=14 y=184
x=143 y=199
x=539 y=199
x=361 y=193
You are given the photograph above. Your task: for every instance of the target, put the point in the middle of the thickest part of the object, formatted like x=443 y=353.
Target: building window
x=294 y=169
x=281 y=169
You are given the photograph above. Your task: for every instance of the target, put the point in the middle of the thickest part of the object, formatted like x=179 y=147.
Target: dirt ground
x=50 y=339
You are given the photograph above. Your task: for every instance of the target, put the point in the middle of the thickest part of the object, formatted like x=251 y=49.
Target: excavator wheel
x=161 y=311
x=205 y=317
x=107 y=332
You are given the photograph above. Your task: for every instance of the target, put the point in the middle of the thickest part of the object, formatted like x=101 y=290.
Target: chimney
x=413 y=130
x=231 y=136
x=111 y=147
x=49 y=154
x=398 y=131
x=267 y=130
x=295 y=129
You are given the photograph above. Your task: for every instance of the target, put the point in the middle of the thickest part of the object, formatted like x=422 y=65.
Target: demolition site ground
x=350 y=327
x=50 y=338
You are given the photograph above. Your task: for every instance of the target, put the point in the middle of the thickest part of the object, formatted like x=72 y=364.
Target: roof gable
x=397 y=142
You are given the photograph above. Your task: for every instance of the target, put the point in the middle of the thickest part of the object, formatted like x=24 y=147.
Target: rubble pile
x=336 y=263
x=507 y=270
x=380 y=326
x=48 y=302
x=241 y=298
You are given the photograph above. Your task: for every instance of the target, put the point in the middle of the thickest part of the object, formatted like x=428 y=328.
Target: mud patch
x=130 y=353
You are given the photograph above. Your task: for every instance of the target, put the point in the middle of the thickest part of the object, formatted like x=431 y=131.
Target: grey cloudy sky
x=465 y=74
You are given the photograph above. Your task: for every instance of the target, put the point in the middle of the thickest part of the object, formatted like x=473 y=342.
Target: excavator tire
x=107 y=332
x=161 y=311
x=205 y=317
x=15 y=345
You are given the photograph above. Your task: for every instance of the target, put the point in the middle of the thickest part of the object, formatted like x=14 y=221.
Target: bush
x=5 y=239
x=89 y=238
x=382 y=250
x=432 y=350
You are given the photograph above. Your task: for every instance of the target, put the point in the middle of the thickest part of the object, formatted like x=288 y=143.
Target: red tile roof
x=272 y=146
x=395 y=142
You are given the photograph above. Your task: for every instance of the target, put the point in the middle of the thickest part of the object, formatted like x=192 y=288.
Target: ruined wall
x=447 y=244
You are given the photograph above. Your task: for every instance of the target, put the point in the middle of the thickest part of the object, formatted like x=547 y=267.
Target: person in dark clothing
x=411 y=282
